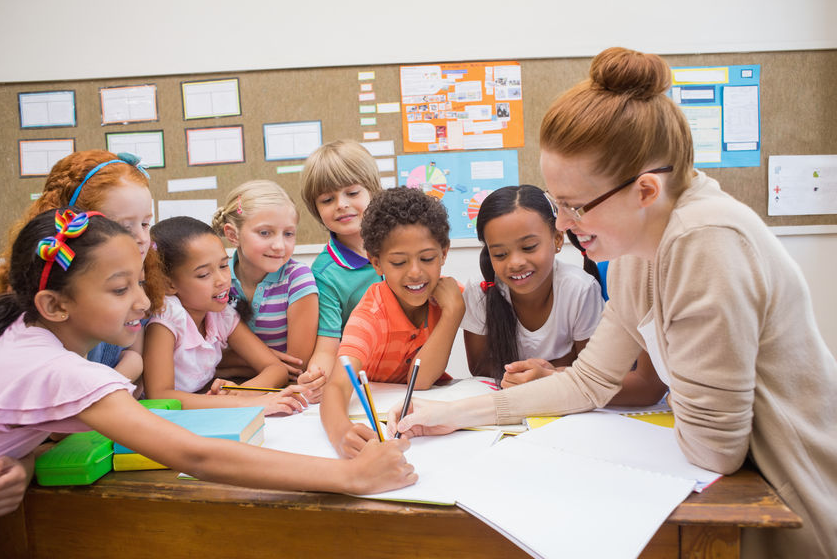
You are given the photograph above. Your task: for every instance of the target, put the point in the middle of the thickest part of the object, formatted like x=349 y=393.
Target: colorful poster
x=460 y=180
x=722 y=107
x=460 y=106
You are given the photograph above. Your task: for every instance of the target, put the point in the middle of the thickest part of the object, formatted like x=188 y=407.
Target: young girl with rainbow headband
x=76 y=281
x=531 y=305
x=117 y=186
x=184 y=341
x=275 y=295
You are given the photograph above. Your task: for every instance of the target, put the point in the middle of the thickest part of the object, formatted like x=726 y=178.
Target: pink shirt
x=43 y=386
x=196 y=356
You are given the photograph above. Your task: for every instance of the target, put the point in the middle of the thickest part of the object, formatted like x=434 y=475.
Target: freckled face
x=129 y=204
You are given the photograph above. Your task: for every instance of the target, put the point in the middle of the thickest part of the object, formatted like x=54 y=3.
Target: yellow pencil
x=365 y=383
x=254 y=388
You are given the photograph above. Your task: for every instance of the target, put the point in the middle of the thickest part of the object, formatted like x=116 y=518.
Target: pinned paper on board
x=292 y=140
x=211 y=98
x=47 y=108
x=461 y=106
x=147 y=145
x=212 y=146
x=460 y=180
x=128 y=104
x=38 y=156
x=199 y=209
x=722 y=107
x=802 y=185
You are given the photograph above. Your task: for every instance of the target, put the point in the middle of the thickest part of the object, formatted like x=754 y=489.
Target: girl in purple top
x=275 y=295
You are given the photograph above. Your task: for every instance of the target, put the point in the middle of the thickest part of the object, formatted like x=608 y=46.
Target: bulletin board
x=796 y=104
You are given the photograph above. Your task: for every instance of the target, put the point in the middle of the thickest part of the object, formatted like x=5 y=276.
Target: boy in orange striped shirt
x=413 y=313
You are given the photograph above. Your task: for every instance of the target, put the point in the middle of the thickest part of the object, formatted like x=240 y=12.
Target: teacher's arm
x=714 y=295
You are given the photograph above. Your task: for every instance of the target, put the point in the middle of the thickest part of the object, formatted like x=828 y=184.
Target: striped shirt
x=276 y=292
x=382 y=338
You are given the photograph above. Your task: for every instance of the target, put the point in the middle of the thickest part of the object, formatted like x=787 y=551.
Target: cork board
x=797 y=118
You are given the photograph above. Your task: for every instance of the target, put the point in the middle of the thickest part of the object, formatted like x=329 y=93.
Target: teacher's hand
x=524 y=371
x=424 y=417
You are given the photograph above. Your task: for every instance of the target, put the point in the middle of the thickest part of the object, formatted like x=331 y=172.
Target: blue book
x=236 y=424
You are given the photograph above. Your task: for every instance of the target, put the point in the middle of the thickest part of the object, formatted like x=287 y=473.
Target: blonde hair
x=245 y=199
x=336 y=165
x=622 y=116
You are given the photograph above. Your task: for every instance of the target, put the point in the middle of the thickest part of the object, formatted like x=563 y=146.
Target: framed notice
x=38 y=156
x=121 y=105
x=147 y=145
x=46 y=109
x=212 y=98
x=215 y=146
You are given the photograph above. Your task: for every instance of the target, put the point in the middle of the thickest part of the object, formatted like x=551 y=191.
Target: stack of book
x=238 y=424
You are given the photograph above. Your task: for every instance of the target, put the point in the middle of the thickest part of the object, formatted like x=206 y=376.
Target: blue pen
x=358 y=390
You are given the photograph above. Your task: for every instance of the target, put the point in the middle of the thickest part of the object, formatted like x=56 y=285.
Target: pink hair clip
x=239 y=211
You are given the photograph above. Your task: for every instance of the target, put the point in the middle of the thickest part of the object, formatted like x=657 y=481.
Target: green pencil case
x=82 y=458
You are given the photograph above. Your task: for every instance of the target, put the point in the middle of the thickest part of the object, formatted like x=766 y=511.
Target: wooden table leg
x=710 y=542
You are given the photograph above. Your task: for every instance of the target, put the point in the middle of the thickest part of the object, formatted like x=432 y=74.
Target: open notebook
x=435 y=459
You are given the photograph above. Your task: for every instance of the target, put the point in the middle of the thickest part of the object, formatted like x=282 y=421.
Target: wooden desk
x=153 y=514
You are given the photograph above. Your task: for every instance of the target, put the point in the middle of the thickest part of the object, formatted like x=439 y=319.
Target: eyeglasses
x=575 y=213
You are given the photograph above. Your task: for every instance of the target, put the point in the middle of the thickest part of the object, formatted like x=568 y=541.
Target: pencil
x=410 y=385
x=254 y=388
x=356 y=385
x=365 y=383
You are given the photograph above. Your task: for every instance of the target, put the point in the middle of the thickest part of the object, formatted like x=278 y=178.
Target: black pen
x=409 y=395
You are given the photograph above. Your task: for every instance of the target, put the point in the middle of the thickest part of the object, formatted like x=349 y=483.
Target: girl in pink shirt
x=184 y=342
x=75 y=282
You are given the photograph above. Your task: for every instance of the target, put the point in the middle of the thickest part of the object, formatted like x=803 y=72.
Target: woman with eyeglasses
x=698 y=281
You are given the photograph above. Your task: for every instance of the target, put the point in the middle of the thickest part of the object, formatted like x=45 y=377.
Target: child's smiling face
x=411 y=262
x=106 y=301
x=522 y=249
x=202 y=280
x=341 y=211
x=266 y=239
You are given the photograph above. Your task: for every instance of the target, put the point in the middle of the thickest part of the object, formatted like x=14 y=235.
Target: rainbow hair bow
x=53 y=249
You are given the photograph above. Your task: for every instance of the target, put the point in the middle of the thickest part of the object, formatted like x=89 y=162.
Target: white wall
x=48 y=40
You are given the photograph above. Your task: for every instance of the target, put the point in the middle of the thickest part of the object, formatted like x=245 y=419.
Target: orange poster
x=466 y=105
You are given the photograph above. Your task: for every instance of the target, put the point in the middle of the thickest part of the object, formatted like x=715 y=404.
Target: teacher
x=698 y=281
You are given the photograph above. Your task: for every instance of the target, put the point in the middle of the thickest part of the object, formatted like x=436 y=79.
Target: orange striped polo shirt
x=382 y=338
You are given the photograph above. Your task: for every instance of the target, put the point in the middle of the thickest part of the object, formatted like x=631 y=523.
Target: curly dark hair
x=402 y=206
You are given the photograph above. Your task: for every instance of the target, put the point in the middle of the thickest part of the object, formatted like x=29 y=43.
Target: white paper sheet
x=388 y=182
x=386 y=165
x=394 y=107
x=420 y=80
x=196 y=183
x=483 y=141
x=741 y=114
x=38 y=156
x=485 y=170
x=423 y=132
x=147 y=145
x=215 y=145
x=129 y=104
x=556 y=504
x=434 y=458
x=802 y=184
x=380 y=148
x=48 y=108
x=199 y=209
x=705 y=123
x=210 y=99
x=622 y=440
x=292 y=140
